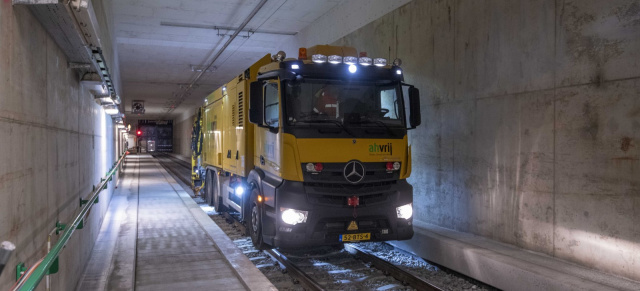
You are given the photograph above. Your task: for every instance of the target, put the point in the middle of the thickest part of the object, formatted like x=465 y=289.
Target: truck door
x=267 y=150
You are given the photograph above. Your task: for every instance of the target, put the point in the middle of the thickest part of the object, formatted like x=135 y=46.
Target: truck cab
x=331 y=154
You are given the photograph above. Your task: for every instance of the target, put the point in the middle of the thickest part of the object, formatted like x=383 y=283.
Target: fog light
x=239 y=191
x=405 y=211
x=293 y=217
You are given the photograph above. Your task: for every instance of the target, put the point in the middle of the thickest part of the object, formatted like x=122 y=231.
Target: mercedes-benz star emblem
x=354 y=172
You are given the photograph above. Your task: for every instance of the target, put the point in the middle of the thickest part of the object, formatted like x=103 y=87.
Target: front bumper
x=329 y=216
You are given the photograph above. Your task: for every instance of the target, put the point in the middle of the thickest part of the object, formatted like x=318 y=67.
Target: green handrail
x=50 y=259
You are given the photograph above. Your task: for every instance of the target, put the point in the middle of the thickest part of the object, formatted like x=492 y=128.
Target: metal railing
x=28 y=279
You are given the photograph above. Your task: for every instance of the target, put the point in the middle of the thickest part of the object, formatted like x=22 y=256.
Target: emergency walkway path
x=155 y=237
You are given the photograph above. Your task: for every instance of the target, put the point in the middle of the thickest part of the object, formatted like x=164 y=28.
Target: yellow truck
x=310 y=150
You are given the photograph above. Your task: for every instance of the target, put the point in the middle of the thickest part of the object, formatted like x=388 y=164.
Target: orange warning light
x=302 y=53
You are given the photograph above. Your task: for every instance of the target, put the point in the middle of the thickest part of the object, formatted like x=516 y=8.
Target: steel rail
x=396 y=272
x=296 y=272
x=36 y=276
x=180 y=162
x=172 y=171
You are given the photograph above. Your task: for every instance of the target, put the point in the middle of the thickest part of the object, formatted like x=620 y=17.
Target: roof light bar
x=350 y=60
x=365 y=61
x=318 y=58
x=335 y=59
x=380 y=62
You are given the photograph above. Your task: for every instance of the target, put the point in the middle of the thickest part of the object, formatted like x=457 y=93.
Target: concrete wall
x=56 y=143
x=531 y=121
x=182 y=136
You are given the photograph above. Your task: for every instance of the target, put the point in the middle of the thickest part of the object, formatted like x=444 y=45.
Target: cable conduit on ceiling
x=217 y=55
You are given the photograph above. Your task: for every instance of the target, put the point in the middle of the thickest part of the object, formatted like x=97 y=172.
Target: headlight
x=405 y=211
x=293 y=217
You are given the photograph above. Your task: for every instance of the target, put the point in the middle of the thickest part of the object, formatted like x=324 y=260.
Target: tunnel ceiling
x=160 y=42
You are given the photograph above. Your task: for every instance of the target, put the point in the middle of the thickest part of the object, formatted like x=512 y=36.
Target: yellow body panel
x=227 y=131
x=343 y=150
x=291 y=169
x=213 y=125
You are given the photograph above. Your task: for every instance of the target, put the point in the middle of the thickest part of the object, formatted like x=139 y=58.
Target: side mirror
x=414 y=102
x=256 y=106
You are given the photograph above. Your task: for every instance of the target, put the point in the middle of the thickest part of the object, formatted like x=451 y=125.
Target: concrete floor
x=505 y=266
x=155 y=237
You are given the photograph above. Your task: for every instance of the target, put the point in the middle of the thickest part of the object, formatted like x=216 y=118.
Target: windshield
x=344 y=103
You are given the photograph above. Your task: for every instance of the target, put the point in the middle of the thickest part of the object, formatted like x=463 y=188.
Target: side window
x=389 y=103
x=271 y=104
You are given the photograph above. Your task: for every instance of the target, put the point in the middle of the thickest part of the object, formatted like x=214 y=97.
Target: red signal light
x=139 y=132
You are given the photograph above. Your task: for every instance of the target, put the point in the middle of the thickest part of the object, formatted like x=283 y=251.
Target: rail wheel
x=255 y=228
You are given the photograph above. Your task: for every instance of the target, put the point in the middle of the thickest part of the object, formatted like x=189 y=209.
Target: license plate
x=355 y=236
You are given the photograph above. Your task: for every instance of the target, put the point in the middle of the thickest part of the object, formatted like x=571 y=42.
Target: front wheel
x=255 y=228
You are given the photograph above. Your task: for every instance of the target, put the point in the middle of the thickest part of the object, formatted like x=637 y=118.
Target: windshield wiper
x=338 y=123
x=378 y=122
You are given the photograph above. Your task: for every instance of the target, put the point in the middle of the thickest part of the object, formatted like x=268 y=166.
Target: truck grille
x=333 y=195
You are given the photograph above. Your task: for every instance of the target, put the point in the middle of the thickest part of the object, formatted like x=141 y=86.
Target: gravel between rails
x=334 y=267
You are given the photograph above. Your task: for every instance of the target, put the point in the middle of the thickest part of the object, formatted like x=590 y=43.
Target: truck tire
x=255 y=221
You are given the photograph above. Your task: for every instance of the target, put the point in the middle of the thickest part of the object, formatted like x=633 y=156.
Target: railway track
x=350 y=268
x=176 y=167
